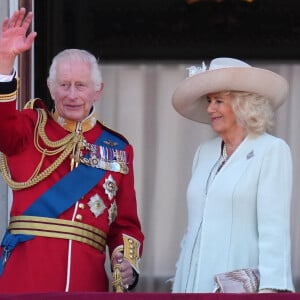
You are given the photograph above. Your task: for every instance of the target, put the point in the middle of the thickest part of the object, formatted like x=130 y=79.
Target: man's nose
x=72 y=91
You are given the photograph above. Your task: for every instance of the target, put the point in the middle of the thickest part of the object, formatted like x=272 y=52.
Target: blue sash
x=61 y=196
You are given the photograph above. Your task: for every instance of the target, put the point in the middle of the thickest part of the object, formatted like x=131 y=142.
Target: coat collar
x=70 y=125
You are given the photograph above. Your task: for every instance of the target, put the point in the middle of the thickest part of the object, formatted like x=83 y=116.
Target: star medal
x=96 y=205
x=110 y=187
x=112 y=212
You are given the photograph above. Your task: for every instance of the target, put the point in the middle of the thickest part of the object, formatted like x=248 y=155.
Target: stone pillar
x=4 y=12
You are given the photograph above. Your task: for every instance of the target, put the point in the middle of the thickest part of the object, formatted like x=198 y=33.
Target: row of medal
x=106 y=158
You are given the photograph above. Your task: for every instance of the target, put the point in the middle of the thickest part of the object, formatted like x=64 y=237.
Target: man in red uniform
x=72 y=179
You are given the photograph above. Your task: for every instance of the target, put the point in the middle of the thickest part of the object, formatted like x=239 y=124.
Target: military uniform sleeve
x=15 y=126
x=125 y=232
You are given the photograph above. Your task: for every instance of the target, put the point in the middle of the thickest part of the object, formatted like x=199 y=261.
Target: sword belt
x=57 y=228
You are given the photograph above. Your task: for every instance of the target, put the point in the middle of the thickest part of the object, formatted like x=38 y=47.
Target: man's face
x=73 y=91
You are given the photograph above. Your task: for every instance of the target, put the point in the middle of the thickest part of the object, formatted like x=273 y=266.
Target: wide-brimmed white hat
x=225 y=74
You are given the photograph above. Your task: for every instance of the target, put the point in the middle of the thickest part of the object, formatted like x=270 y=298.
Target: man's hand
x=127 y=274
x=14 y=39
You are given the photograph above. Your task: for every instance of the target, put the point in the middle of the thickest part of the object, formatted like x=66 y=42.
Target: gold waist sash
x=57 y=228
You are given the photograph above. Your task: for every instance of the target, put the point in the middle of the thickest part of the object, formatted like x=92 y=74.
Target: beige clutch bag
x=238 y=281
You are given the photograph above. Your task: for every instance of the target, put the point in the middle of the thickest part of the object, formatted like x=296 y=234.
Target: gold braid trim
x=131 y=252
x=30 y=104
x=8 y=97
x=67 y=145
x=58 y=228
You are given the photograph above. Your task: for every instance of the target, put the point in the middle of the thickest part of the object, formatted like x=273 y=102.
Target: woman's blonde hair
x=254 y=112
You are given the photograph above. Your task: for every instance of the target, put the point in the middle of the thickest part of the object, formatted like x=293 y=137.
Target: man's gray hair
x=79 y=55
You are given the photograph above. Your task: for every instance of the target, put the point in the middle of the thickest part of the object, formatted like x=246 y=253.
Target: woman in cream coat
x=239 y=195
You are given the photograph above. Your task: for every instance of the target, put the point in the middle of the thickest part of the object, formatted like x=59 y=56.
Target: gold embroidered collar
x=71 y=125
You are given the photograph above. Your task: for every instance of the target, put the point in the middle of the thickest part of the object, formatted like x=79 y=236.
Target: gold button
x=78 y=217
x=81 y=205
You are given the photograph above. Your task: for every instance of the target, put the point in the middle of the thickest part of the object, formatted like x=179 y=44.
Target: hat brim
x=189 y=98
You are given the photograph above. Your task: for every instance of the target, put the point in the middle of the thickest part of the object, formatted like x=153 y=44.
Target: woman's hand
x=14 y=39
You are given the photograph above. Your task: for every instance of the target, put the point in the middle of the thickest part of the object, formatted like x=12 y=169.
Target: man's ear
x=99 y=91
x=50 y=89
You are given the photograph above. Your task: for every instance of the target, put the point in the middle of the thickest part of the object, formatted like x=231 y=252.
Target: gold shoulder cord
x=65 y=146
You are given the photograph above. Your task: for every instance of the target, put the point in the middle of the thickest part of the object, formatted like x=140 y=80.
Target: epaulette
x=122 y=137
x=34 y=103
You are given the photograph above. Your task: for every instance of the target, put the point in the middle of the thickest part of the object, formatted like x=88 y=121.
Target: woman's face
x=223 y=119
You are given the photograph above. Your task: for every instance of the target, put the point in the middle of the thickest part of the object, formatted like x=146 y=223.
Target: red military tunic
x=45 y=264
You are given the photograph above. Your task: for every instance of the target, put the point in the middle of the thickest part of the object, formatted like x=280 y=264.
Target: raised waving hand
x=14 y=39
